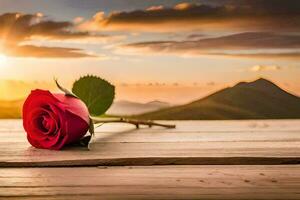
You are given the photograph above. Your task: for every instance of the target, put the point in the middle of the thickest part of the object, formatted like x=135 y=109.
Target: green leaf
x=96 y=93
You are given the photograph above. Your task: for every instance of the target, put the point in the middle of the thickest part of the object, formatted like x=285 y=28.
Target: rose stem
x=137 y=123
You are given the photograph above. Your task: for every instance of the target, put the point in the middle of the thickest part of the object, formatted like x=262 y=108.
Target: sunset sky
x=168 y=50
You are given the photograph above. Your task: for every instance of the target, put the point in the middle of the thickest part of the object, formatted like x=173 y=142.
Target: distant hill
x=260 y=99
x=123 y=108
x=10 y=109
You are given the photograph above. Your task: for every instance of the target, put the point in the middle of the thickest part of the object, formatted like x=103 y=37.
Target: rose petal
x=52 y=121
x=74 y=105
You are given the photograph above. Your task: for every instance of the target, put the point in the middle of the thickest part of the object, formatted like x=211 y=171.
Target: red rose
x=54 y=120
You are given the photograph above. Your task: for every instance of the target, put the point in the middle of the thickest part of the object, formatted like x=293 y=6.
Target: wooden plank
x=155 y=182
x=193 y=142
x=15 y=125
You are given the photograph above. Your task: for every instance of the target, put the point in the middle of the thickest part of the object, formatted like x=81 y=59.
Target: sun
x=3 y=60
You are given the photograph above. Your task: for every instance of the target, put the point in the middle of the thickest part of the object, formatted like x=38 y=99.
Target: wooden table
x=197 y=160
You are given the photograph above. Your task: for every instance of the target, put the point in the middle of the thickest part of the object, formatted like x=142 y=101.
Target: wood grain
x=216 y=150
x=153 y=182
x=192 y=142
x=200 y=126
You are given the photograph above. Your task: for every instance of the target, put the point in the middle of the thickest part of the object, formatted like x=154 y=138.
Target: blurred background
x=164 y=57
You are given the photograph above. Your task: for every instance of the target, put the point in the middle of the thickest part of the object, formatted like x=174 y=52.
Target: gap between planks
x=150 y=161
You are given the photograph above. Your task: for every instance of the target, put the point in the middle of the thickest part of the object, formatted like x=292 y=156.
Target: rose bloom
x=54 y=120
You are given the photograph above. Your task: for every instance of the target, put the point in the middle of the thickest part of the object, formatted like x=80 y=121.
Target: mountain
x=260 y=99
x=132 y=108
x=10 y=109
x=158 y=104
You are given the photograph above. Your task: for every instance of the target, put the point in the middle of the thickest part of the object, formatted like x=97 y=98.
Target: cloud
x=16 y=29
x=78 y=20
x=259 y=68
x=273 y=56
x=46 y=52
x=239 y=41
x=246 y=15
x=155 y=8
x=248 y=44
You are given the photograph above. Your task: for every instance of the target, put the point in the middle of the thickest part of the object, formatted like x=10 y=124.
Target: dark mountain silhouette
x=260 y=99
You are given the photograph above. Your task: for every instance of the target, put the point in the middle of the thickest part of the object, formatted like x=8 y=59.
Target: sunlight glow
x=3 y=60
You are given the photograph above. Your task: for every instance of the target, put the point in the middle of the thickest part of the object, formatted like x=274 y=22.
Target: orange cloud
x=46 y=52
x=17 y=29
x=255 y=15
x=259 y=68
x=245 y=44
x=154 y=8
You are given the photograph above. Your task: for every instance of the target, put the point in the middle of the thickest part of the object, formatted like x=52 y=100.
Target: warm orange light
x=3 y=60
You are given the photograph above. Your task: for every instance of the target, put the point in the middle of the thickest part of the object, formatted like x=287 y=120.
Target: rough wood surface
x=152 y=182
x=192 y=142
